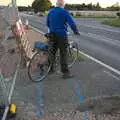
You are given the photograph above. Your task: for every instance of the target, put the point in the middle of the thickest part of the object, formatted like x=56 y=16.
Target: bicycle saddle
x=41 y=46
x=49 y=35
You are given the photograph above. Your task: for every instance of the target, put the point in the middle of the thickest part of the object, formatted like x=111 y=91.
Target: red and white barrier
x=20 y=28
x=24 y=41
x=26 y=26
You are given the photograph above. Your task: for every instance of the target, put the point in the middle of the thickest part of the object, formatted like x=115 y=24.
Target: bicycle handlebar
x=50 y=35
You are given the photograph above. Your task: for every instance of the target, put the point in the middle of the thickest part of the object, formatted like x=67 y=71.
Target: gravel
x=3 y=26
x=3 y=23
x=104 y=108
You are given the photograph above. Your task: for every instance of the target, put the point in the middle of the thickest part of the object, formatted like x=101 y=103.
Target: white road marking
x=110 y=74
x=102 y=28
x=101 y=63
x=97 y=37
x=37 y=30
x=102 y=38
x=97 y=27
x=90 y=57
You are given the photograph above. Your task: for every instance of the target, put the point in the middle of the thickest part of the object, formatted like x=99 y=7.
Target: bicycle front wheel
x=39 y=66
x=72 y=54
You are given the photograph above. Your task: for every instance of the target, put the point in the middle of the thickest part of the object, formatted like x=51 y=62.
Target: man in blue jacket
x=57 y=21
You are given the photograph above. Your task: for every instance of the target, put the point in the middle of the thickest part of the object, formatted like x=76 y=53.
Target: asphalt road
x=97 y=40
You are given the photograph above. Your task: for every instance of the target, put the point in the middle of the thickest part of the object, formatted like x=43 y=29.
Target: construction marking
x=77 y=89
x=40 y=99
x=84 y=115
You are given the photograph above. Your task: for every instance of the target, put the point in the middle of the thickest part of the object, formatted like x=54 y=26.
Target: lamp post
x=15 y=11
x=14 y=2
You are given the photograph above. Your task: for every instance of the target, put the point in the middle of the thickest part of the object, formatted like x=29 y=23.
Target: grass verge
x=115 y=22
x=80 y=56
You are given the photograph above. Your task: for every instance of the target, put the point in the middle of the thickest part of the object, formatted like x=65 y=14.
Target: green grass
x=80 y=56
x=116 y=96
x=105 y=17
x=115 y=23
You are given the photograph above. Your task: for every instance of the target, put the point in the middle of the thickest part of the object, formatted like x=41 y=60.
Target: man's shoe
x=67 y=75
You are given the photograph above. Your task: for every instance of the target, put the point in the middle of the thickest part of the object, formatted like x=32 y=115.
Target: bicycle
x=40 y=63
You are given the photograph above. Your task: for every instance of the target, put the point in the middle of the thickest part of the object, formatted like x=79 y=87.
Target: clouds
x=24 y=2
x=4 y=2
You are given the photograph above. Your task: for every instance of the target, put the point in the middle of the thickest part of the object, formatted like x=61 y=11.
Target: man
x=57 y=21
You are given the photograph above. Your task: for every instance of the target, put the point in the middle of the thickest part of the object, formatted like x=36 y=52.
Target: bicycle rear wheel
x=72 y=54
x=39 y=66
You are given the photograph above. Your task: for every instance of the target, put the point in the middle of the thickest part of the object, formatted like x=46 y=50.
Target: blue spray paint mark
x=81 y=98
x=78 y=92
x=85 y=116
x=40 y=99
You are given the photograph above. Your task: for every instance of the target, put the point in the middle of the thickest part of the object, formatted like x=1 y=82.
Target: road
x=97 y=40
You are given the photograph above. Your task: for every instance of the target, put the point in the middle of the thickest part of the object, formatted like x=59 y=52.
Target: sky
x=103 y=3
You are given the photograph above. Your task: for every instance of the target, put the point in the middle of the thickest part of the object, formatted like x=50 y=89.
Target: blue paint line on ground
x=81 y=98
x=85 y=116
x=78 y=91
x=40 y=99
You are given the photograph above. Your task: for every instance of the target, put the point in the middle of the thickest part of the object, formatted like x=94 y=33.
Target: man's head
x=60 y=3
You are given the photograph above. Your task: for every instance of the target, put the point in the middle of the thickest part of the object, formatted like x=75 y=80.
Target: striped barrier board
x=24 y=40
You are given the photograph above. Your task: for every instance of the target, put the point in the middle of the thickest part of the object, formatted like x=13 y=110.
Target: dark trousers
x=61 y=43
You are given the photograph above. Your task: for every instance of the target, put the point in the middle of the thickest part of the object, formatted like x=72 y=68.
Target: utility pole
x=15 y=10
x=14 y=3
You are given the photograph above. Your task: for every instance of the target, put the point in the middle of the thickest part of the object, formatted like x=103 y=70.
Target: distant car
x=31 y=13
x=40 y=14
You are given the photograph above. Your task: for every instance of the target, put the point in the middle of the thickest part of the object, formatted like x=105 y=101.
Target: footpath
x=93 y=94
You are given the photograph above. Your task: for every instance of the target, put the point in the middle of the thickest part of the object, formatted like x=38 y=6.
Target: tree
x=83 y=6
x=98 y=6
x=118 y=14
x=22 y=8
x=41 y=5
x=90 y=6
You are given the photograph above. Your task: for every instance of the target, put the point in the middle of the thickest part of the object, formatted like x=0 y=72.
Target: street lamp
x=14 y=2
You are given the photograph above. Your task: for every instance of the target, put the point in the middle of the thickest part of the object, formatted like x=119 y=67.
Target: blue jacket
x=58 y=19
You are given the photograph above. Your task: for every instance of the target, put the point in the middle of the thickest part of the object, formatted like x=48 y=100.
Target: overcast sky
x=103 y=3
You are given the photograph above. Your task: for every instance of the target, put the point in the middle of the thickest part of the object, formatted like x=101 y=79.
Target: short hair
x=60 y=2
